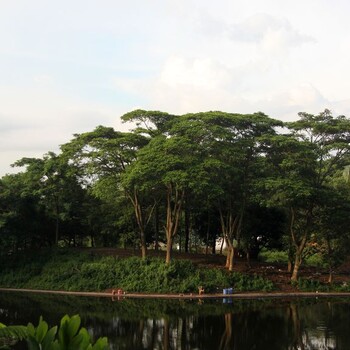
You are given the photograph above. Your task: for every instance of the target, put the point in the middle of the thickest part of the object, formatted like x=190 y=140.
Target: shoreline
x=246 y=295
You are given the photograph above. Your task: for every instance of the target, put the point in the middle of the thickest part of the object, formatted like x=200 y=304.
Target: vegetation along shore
x=105 y=270
x=264 y=201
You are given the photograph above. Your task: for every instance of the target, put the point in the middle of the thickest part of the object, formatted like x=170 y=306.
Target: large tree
x=103 y=156
x=304 y=160
x=45 y=200
x=232 y=145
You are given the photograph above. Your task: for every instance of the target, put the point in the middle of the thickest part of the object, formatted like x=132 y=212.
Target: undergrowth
x=310 y=285
x=78 y=271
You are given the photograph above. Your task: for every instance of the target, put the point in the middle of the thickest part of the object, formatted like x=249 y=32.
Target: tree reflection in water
x=184 y=325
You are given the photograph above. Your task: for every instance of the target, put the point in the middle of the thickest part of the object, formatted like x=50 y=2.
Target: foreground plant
x=68 y=337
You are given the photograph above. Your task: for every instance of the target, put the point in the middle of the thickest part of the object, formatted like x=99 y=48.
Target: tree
x=103 y=156
x=304 y=161
x=52 y=180
x=23 y=222
x=233 y=147
x=332 y=222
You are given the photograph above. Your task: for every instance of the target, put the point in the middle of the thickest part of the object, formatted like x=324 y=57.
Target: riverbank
x=251 y=295
x=86 y=271
x=101 y=270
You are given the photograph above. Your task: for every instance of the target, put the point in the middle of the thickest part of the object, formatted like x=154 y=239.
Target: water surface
x=185 y=324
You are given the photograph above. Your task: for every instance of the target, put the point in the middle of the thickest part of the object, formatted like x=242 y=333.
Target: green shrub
x=71 y=270
x=242 y=282
x=310 y=285
x=273 y=256
x=315 y=260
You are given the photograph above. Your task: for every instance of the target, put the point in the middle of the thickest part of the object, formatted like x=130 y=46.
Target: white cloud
x=205 y=73
x=262 y=28
x=66 y=67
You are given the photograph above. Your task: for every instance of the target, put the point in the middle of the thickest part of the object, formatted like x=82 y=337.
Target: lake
x=192 y=324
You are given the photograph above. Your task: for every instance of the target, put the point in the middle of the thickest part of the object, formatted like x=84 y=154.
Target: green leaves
x=13 y=332
x=69 y=336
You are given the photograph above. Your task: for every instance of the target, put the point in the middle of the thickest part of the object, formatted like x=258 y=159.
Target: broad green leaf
x=101 y=344
x=32 y=343
x=63 y=337
x=64 y=319
x=86 y=337
x=31 y=329
x=77 y=343
x=73 y=326
x=41 y=330
x=48 y=340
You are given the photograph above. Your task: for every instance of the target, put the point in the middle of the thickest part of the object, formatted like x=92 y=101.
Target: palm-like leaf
x=13 y=332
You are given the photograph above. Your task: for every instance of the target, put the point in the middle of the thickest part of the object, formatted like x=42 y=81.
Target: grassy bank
x=79 y=271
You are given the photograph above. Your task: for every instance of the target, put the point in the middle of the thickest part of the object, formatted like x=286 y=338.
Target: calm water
x=158 y=324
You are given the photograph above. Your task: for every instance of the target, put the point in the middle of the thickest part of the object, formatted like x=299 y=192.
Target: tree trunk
x=231 y=261
x=187 y=226
x=230 y=226
x=297 y=263
x=213 y=246
x=156 y=237
x=207 y=238
x=57 y=222
x=222 y=246
x=169 y=249
x=143 y=245
x=248 y=258
x=298 y=243
x=330 y=276
x=230 y=256
x=141 y=222
x=174 y=203
x=207 y=241
x=330 y=260
x=290 y=254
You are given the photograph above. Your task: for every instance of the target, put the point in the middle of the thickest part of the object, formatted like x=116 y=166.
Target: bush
x=243 y=283
x=315 y=260
x=273 y=256
x=69 y=270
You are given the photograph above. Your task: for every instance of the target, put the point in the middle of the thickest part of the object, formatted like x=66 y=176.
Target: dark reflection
x=180 y=324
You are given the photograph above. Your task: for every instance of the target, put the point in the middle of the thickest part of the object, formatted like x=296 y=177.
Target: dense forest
x=254 y=181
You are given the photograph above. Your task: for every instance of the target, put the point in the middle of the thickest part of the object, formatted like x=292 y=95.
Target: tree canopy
x=246 y=178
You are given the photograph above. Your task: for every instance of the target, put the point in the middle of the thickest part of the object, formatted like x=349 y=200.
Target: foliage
x=254 y=181
x=273 y=256
x=316 y=260
x=68 y=337
x=311 y=285
x=69 y=270
x=9 y=335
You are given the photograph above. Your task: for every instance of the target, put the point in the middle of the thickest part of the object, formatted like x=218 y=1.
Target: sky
x=69 y=66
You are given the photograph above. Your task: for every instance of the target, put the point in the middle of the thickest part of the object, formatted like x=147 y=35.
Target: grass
x=281 y=257
x=70 y=270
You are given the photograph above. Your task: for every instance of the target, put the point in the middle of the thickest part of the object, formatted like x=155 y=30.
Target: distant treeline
x=189 y=179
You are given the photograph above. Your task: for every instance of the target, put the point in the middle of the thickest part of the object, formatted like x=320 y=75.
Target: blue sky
x=68 y=66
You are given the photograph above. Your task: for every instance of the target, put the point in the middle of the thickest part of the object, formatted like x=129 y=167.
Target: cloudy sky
x=68 y=66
